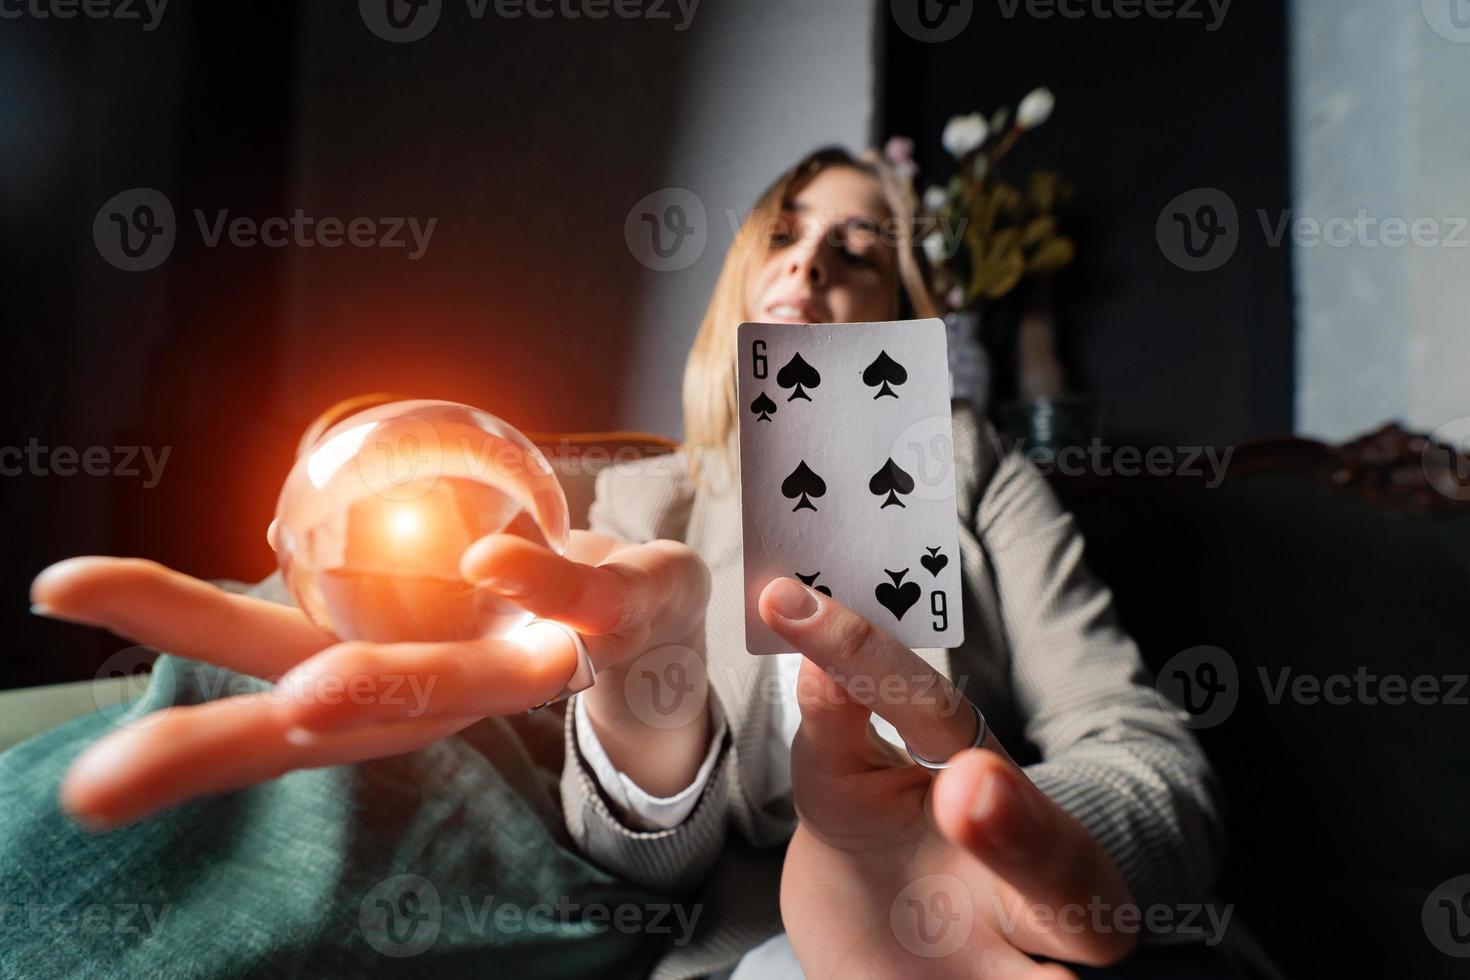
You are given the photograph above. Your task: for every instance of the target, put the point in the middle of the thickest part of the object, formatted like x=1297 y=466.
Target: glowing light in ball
x=374 y=518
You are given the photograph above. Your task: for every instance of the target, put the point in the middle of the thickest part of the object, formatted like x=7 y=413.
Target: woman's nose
x=807 y=263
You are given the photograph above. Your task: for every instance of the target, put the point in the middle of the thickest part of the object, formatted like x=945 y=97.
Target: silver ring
x=983 y=729
x=582 y=678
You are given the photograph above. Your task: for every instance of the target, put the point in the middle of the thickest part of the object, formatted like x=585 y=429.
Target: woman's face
x=828 y=262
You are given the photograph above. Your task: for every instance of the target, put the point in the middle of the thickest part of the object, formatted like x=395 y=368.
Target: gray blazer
x=1044 y=657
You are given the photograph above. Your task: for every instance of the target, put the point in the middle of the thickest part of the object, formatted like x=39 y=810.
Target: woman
x=1112 y=805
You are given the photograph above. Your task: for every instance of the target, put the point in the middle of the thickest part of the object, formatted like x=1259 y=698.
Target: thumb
x=987 y=807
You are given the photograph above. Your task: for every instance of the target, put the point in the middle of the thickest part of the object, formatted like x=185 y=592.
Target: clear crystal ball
x=374 y=517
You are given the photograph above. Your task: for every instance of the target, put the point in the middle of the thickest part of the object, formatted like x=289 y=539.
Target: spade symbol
x=799 y=374
x=763 y=407
x=891 y=480
x=934 y=561
x=809 y=580
x=884 y=371
x=899 y=597
x=805 y=484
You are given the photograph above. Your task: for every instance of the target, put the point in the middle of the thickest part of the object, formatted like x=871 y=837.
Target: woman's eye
x=861 y=260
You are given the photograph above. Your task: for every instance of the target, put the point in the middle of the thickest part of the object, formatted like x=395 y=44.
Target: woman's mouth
x=794 y=310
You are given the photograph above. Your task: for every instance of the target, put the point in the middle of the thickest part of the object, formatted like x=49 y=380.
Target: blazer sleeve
x=1114 y=755
x=672 y=861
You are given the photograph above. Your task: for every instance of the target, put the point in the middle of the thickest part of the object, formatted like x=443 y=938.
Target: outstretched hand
x=328 y=704
x=894 y=872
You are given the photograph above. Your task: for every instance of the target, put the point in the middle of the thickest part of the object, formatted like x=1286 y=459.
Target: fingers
x=181 y=753
x=834 y=735
x=371 y=684
x=999 y=960
x=986 y=806
x=657 y=591
x=154 y=605
x=929 y=712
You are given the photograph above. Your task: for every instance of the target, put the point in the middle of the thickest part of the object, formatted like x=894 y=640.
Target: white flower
x=934 y=199
x=934 y=247
x=955 y=298
x=963 y=134
x=1035 y=108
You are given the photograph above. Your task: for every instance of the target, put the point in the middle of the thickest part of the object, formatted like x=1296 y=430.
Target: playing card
x=847 y=476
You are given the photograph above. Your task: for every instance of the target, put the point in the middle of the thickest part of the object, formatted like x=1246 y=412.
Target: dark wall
x=176 y=359
x=1147 y=109
x=527 y=141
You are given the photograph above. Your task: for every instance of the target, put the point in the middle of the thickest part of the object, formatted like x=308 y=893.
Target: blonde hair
x=710 y=410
